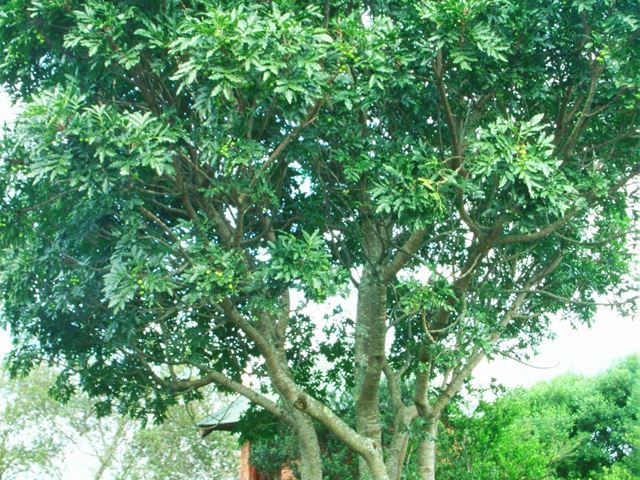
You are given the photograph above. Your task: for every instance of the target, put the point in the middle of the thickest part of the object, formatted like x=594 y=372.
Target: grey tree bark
x=397 y=450
x=427 y=451
x=369 y=357
x=308 y=446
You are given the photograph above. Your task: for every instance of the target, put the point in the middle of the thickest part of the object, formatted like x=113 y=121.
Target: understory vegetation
x=571 y=427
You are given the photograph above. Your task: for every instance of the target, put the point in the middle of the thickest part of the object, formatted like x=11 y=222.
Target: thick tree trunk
x=308 y=447
x=396 y=452
x=304 y=431
x=427 y=451
x=370 y=357
x=370 y=333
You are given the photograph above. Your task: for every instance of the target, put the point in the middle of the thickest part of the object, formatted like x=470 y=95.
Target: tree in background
x=187 y=174
x=172 y=450
x=28 y=446
x=38 y=435
x=572 y=427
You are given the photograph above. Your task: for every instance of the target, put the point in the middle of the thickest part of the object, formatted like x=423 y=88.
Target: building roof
x=225 y=418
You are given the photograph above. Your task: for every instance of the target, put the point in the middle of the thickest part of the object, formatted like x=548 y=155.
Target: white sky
x=584 y=350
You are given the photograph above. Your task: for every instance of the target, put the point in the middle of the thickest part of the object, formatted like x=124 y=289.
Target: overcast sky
x=583 y=350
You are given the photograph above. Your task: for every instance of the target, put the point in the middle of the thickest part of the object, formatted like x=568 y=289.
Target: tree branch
x=404 y=254
x=311 y=116
x=444 y=102
x=552 y=227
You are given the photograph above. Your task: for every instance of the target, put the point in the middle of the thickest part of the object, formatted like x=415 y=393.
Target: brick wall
x=249 y=472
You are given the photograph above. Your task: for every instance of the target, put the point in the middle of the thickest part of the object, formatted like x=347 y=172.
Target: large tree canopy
x=186 y=175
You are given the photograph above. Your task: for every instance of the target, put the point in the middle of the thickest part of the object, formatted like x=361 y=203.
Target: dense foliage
x=186 y=175
x=569 y=428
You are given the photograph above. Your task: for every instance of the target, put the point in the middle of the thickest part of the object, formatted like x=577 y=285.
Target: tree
x=25 y=446
x=571 y=427
x=38 y=433
x=171 y=450
x=186 y=175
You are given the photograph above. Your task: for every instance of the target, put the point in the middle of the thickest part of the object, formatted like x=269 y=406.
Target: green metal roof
x=226 y=417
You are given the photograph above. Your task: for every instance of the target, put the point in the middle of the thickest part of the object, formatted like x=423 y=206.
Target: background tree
x=39 y=434
x=186 y=174
x=27 y=445
x=172 y=450
x=571 y=427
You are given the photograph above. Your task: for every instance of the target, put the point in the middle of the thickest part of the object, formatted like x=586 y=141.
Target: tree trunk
x=370 y=333
x=395 y=456
x=397 y=449
x=427 y=451
x=303 y=429
x=308 y=446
